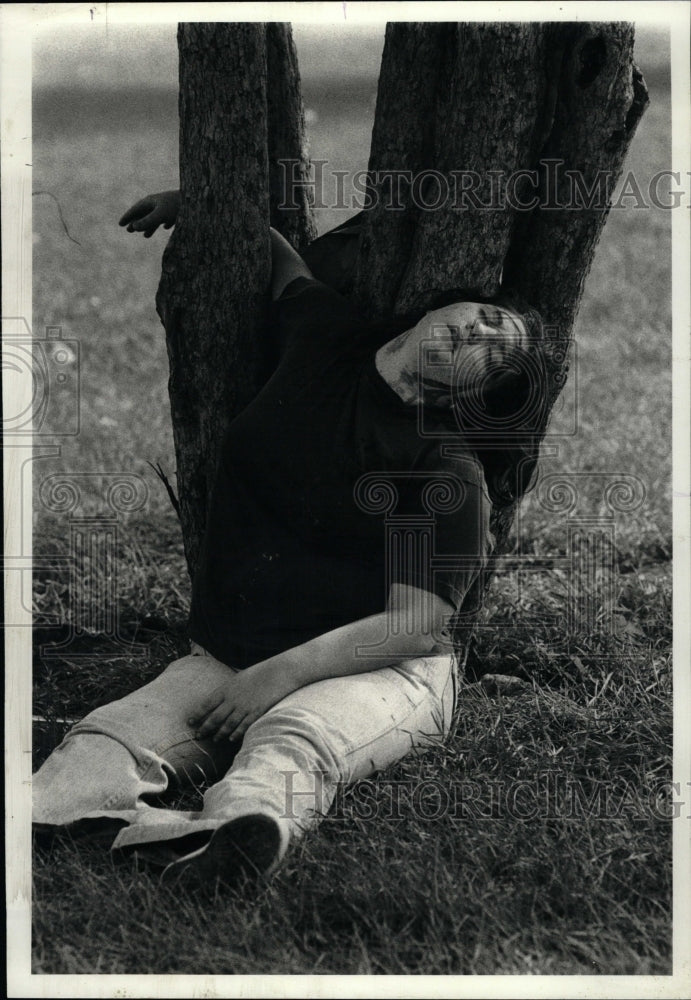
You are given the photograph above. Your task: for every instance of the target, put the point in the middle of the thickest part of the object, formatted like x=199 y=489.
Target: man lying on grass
x=320 y=651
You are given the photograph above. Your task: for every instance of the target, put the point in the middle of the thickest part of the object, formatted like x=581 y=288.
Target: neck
x=402 y=380
x=398 y=363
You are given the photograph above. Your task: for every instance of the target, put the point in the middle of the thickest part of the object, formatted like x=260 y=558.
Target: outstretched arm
x=151 y=212
x=230 y=710
x=161 y=209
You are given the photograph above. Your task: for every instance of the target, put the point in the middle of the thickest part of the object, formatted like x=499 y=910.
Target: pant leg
x=133 y=748
x=337 y=730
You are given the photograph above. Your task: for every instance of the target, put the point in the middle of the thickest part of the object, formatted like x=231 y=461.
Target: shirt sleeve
x=443 y=540
x=309 y=309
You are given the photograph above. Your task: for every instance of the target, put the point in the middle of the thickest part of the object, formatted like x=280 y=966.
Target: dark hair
x=503 y=416
x=511 y=422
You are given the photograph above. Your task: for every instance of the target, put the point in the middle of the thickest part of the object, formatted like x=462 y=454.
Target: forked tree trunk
x=461 y=108
x=288 y=160
x=560 y=100
x=239 y=116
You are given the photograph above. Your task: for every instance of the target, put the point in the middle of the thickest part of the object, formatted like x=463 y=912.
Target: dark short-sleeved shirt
x=327 y=493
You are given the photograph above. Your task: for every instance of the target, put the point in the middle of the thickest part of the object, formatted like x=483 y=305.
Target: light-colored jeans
x=288 y=765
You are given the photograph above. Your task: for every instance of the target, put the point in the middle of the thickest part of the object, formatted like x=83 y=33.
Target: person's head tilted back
x=483 y=363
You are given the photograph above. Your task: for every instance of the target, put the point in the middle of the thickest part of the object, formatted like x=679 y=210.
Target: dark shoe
x=243 y=850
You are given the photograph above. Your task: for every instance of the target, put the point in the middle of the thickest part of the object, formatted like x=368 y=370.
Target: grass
x=476 y=890
x=583 y=886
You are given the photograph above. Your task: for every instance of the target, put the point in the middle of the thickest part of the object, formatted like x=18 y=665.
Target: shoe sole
x=242 y=850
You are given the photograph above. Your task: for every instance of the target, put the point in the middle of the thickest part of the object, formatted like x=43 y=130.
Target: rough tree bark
x=475 y=96
x=560 y=100
x=462 y=108
x=288 y=160
x=239 y=116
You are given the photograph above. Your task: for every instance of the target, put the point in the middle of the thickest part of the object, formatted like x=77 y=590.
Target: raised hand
x=151 y=212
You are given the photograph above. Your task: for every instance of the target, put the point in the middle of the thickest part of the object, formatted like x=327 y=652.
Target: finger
x=239 y=732
x=148 y=223
x=214 y=721
x=228 y=729
x=138 y=210
x=207 y=705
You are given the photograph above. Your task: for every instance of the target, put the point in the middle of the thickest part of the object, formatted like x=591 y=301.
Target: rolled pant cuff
x=182 y=825
x=140 y=834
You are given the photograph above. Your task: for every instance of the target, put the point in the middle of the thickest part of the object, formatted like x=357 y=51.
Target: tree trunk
x=289 y=165
x=240 y=113
x=471 y=117
x=484 y=102
x=464 y=113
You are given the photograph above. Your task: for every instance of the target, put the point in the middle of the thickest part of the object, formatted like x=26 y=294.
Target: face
x=481 y=335
x=450 y=348
x=461 y=343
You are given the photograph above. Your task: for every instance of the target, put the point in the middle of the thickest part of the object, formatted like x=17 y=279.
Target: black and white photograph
x=346 y=431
